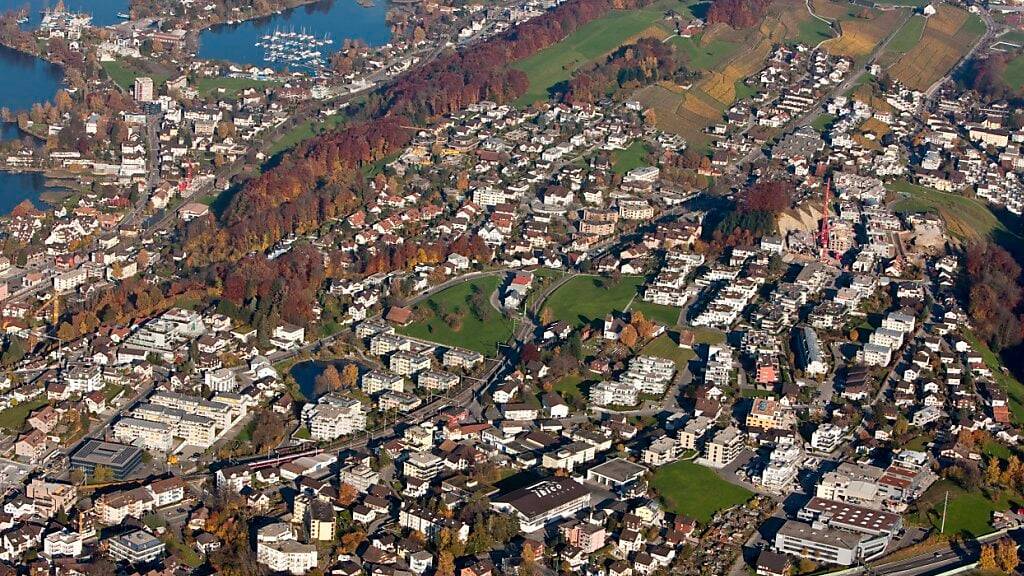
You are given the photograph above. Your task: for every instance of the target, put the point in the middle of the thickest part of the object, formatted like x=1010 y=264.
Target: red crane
x=825 y=227
x=183 y=184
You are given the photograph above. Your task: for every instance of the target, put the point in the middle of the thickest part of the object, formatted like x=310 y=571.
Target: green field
x=230 y=86
x=1014 y=389
x=304 y=131
x=13 y=418
x=813 y=32
x=918 y=3
x=482 y=335
x=124 y=73
x=1015 y=37
x=633 y=157
x=705 y=57
x=695 y=491
x=585 y=299
x=588 y=43
x=1014 y=73
x=572 y=386
x=969 y=513
x=907 y=37
x=822 y=122
x=666 y=346
x=966 y=218
x=665 y=315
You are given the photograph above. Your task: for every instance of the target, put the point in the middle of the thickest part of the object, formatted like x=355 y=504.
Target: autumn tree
x=987 y=561
x=547 y=316
x=1006 y=556
x=629 y=336
x=347 y=494
x=329 y=379
x=445 y=564
x=350 y=376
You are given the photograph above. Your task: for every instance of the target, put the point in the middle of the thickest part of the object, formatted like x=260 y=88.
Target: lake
x=338 y=19
x=29 y=80
x=305 y=374
x=104 y=12
x=18 y=186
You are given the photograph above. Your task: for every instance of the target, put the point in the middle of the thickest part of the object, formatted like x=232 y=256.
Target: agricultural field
x=706 y=51
x=590 y=42
x=862 y=29
x=695 y=491
x=664 y=315
x=732 y=56
x=969 y=513
x=904 y=40
x=947 y=37
x=13 y=419
x=474 y=332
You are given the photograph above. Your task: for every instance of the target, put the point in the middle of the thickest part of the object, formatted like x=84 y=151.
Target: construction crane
x=823 y=235
x=184 y=184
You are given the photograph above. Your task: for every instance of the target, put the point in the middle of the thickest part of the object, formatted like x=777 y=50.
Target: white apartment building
x=337 y=417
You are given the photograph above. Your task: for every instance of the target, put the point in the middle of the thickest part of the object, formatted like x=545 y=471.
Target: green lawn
x=1014 y=73
x=305 y=131
x=124 y=73
x=1014 y=389
x=822 y=122
x=969 y=513
x=13 y=418
x=482 y=335
x=907 y=37
x=918 y=3
x=1015 y=37
x=704 y=57
x=966 y=218
x=630 y=158
x=572 y=386
x=695 y=491
x=665 y=315
x=585 y=299
x=667 y=347
x=231 y=86
x=588 y=43
x=813 y=32
x=972 y=27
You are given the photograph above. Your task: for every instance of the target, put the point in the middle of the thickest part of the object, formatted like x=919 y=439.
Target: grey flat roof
x=619 y=470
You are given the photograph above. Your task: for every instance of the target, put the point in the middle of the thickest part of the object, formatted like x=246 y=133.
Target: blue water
x=27 y=79
x=104 y=12
x=340 y=19
x=305 y=374
x=18 y=186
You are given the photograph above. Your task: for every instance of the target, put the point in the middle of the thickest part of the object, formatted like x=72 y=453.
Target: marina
x=297 y=38
x=294 y=48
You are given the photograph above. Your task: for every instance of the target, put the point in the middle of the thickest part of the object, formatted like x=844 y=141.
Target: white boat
x=124 y=15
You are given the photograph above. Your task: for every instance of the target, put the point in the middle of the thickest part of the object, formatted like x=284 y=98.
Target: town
x=616 y=288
